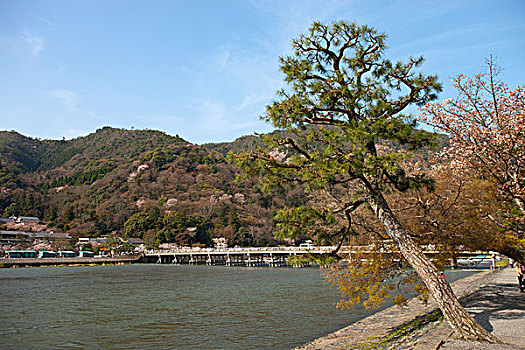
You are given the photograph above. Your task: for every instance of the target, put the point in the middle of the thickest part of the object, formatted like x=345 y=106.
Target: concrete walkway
x=500 y=308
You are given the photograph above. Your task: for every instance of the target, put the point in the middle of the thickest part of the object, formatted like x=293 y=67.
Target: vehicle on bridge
x=86 y=254
x=66 y=254
x=480 y=261
x=47 y=254
x=20 y=254
x=306 y=246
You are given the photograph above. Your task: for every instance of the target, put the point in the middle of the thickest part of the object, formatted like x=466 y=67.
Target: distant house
x=131 y=241
x=20 y=219
x=85 y=240
x=28 y=219
x=13 y=237
x=135 y=241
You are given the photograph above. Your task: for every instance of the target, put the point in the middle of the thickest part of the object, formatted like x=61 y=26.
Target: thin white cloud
x=213 y=112
x=235 y=84
x=67 y=98
x=248 y=100
x=35 y=42
x=46 y=21
x=437 y=39
x=290 y=18
x=218 y=121
x=70 y=100
x=255 y=103
x=222 y=58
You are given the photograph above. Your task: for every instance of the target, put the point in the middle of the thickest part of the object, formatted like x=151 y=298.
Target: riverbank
x=416 y=326
x=78 y=261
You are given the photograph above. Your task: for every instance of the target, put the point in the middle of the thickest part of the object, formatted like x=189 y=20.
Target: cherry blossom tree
x=486 y=125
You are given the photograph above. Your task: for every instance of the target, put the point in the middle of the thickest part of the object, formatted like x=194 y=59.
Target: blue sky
x=205 y=70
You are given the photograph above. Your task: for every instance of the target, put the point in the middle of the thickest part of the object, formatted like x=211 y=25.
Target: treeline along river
x=167 y=307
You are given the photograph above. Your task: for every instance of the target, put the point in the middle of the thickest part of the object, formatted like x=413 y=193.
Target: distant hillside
x=18 y=153
x=139 y=183
x=159 y=184
x=24 y=154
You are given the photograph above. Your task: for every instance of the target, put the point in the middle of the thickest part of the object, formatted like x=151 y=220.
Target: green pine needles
x=343 y=126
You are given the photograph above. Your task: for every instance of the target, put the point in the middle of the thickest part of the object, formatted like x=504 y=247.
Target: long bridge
x=267 y=256
x=255 y=256
x=264 y=256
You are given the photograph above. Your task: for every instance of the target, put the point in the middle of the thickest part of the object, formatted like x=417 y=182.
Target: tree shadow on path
x=501 y=301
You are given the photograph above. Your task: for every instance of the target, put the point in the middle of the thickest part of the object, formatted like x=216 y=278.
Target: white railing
x=323 y=249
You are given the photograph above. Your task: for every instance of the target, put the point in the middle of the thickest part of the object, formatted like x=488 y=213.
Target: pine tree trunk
x=464 y=325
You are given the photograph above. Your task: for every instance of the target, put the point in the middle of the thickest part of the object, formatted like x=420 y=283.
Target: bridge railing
x=240 y=249
x=316 y=249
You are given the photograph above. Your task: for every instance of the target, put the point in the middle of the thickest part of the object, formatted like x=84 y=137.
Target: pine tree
x=343 y=101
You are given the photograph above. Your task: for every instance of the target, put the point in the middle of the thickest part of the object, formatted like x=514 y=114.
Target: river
x=167 y=307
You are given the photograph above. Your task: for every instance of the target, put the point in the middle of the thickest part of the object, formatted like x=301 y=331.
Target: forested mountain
x=139 y=183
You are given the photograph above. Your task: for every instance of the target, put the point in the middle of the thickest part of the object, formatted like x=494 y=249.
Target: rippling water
x=166 y=307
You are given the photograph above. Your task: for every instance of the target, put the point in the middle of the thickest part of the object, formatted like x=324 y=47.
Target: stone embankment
x=422 y=327
x=125 y=259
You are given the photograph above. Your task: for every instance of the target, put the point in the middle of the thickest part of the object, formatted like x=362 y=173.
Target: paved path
x=500 y=308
